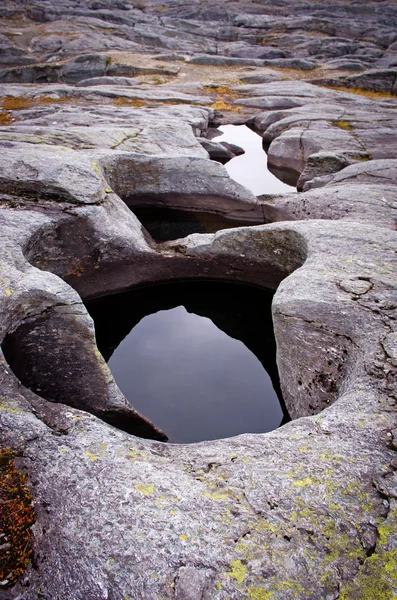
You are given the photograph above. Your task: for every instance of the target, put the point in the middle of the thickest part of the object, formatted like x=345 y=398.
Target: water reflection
x=251 y=169
x=191 y=357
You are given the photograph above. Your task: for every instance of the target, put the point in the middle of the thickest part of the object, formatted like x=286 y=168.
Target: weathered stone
x=177 y=182
x=373 y=80
x=261 y=77
x=84 y=67
x=320 y=164
x=216 y=150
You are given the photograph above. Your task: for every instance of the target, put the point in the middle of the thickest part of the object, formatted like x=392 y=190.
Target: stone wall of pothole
x=129 y=261
x=55 y=356
x=197 y=358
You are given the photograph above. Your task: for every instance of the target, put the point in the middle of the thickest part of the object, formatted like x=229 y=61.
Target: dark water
x=168 y=224
x=197 y=358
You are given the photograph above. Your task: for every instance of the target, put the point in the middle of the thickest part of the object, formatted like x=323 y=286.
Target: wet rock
x=236 y=150
x=220 y=151
x=76 y=375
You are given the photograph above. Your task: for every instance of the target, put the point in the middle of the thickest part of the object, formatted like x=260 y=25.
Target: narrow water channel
x=251 y=169
x=197 y=358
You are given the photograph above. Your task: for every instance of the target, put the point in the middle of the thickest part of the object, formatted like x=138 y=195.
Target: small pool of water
x=196 y=358
x=251 y=169
x=165 y=224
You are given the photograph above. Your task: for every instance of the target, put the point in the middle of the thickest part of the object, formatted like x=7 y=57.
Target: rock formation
x=104 y=106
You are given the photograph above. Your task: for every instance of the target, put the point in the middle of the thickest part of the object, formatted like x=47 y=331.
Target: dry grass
x=133 y=102
x=343 y=125
x=16 y=518
x=11 y=103
x=5 y=118
x=225 y=97
x=48 y=100
x=220 y=105
x=138 y=103
x=362 y=92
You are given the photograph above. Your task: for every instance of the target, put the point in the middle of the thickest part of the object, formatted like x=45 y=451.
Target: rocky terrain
x=111 y=104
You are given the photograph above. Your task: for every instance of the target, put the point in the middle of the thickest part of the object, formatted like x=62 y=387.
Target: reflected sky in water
x=250 y=169
x=193 y=380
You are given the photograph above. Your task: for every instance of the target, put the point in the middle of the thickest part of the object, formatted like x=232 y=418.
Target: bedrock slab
x=305 y=510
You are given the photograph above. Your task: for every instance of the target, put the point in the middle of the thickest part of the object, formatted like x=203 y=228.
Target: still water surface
x=250 y=169
x=196 y=376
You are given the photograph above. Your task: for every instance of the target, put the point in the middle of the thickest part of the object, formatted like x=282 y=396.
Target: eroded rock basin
x=197 y=358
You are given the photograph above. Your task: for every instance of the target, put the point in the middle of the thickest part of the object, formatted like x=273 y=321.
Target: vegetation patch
x=49 y=100
x=135 y=102
x=361 y=92
x=5 y=118
x=11 y=103
x=343 y=125
x=225 y=97
x=16 y=518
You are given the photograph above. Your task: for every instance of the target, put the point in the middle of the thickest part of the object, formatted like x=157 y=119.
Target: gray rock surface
x=305 y=511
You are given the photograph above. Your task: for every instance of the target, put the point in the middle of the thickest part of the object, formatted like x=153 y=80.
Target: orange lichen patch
x=11 y=103
x=361 y=92
x=16 y=518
